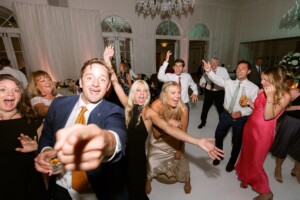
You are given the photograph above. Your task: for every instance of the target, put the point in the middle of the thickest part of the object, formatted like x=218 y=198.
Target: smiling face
x=173 y=95
x=10 y=95
x=94 y=83
x=45 y=85
x=242 y=71
x=141 y=94
x=214 y=64
x=178 y=68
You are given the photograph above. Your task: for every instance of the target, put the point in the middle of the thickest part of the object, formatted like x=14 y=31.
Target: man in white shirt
x=5 y=68
x=106 y=181
x=214 y=94
x=234 y=115
x=182 y=78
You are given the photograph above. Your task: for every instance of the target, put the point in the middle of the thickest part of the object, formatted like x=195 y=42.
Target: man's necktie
x=212 y=84
x=234 y=97
x=79 y=178
x=179 y=82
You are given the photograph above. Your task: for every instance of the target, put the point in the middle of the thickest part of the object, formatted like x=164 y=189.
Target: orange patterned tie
x=79 y=178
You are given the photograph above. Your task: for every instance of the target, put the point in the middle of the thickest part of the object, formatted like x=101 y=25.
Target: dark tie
x=212 y=84
x=179 y=82
x=79 y=178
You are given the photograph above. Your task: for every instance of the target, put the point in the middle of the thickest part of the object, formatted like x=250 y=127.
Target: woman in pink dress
x=259 y=131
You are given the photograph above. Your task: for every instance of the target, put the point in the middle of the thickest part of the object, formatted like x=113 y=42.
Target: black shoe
x=229 y=167
x=201 y=125
x=216 y=162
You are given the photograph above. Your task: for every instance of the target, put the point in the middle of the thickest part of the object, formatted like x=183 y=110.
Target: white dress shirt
x=221 y=72
x=17 y=74
x=230 y=86
x=185 y=79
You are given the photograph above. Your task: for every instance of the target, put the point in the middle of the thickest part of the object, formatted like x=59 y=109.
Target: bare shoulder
x=156 y=105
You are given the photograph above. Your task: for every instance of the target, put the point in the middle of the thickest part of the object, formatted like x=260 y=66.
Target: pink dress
x=258 y=136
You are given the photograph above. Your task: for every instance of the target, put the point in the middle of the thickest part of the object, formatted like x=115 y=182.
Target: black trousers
x=225 y=123
x=210 y=98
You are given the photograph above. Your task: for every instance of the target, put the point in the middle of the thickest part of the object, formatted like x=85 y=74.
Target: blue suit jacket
x=107 y=180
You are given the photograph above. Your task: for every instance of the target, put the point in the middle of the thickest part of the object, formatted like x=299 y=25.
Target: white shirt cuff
x=118 y=146
x=43 y=149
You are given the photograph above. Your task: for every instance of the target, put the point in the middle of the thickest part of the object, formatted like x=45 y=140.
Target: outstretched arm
x=108 y=53
x=84 y=146
x=162 y=76
x=204 y=143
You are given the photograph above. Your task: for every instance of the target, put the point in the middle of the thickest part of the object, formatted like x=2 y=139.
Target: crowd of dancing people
x=88 y=146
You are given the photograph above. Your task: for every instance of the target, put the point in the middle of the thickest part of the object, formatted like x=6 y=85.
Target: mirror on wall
x=272 y=51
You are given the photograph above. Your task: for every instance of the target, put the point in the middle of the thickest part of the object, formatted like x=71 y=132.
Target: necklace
x=2 y=117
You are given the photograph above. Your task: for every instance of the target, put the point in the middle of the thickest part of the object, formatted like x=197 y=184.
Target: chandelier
x=165 y=8
x=291 y=18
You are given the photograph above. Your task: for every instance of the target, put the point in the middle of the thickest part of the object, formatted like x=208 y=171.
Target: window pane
x=7 y=19
x=2 y=48
x=115 y=24
x=199 y=30
x=20 y=59
x=16 y=43
x=167 y=28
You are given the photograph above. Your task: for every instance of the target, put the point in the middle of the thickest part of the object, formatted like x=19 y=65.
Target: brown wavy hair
x=23 y=105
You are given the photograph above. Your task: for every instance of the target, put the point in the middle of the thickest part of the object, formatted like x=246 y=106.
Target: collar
x=89 y=106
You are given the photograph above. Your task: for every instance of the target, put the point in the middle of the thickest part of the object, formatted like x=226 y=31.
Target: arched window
x=167 y=28
x=199 y=31
x=7 y=19
x=117 y=31
x=10 y=44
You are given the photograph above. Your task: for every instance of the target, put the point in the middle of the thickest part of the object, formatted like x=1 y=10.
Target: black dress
x=136 y=164
x=19 y=179
x=287 y=139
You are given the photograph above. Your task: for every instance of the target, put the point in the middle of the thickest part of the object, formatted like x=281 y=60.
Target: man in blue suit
x=106 y=181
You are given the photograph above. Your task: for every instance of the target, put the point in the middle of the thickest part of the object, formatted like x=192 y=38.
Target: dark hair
x=179 y=61
x=95 y=61
x=245 y=62
x=23 y=106
x=4 y=62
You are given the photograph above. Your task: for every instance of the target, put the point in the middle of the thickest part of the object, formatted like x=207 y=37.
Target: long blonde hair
x=131 y=101
x=276 y=76
x=167 y=111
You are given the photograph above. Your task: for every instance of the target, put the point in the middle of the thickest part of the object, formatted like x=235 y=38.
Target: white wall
x=228 y=23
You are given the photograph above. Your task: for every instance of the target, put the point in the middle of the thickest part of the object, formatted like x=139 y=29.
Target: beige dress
x=161 y=162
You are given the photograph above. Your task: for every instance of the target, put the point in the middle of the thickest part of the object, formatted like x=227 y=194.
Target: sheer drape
x=58 y=40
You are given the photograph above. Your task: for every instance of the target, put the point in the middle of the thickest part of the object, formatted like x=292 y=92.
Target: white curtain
x=58 y=40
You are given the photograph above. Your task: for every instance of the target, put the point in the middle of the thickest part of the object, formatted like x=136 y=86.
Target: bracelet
x=270 y=102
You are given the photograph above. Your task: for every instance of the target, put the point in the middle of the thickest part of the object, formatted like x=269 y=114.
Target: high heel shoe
x=296 y=173
x=277 y=175
x=268 y=196
x=242 y=185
